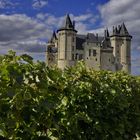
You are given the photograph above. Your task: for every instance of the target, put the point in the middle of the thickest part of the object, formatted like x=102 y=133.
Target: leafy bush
x=37 y=102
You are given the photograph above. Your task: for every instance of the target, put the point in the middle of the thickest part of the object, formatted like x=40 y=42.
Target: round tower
x=121 y=43
x=125 y=49
x=66 y=43
x=116 y=42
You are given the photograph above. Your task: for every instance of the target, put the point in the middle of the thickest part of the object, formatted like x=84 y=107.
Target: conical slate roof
x=120 y=30
x=68 y=23
x=106 y=33
x=53 y=37
x=116 y=31
x=123 y=30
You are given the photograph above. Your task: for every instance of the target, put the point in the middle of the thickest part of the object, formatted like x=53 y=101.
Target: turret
x=106 y=40
x=121 y=43
x=66 y=43
x=53 y=38
x=125 y=49
x=51 y=52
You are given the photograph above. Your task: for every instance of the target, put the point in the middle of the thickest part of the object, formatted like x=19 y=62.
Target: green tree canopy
x=37 y=102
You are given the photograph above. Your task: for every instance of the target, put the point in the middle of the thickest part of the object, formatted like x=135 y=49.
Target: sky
x=26 y=25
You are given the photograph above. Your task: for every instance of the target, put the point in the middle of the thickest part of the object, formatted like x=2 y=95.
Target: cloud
x=84 y=22
x=38 y=4
x=82 y=17
x=115 y=12
x=22 y=33
x=6 y=4
x=25 y=34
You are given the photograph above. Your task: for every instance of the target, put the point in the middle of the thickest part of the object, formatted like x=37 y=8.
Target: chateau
x=107 y=52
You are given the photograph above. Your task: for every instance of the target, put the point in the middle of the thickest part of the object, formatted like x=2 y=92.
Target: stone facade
x=108 y=52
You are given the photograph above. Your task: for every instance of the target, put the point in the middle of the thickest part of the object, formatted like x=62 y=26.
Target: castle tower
x=125 y=49
x=106 y=40
x=116 y=42
x=51 y=54
x=121 y=43
x=66 y=43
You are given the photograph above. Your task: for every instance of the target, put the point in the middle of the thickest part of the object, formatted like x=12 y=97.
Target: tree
x=38 y=102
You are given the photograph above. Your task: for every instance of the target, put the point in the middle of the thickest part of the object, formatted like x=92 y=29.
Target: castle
x=108 y=52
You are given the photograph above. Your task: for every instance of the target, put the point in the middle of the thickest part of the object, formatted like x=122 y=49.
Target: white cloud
x=83 y=17
x=37 y=4
x=22 y=33
x=2 y=4
x=83 y=21
x=26 y=34
x=7 y=4
x=115 y=12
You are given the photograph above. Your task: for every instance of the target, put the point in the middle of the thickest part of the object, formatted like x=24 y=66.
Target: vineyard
x=44 y=103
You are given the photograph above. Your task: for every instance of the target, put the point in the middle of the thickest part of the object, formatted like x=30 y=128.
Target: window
x=72 y=48
x=96 y=59
x=76 y=56
x=72 y=56
x=94 y=52
x=80 y=56
x=89 y=52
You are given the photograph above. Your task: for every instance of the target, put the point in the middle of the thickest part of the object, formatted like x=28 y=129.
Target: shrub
x=37 y=102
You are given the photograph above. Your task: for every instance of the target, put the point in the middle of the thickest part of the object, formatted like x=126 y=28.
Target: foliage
x=37 y=102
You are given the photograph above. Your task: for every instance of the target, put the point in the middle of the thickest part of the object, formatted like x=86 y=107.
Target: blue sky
x=26 y=25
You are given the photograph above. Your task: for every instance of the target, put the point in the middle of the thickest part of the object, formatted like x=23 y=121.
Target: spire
x=68 y=24
x=119 y=28
x=116 y=30
x=53 y=37
x=107 y=33
x=123 y=30
x=113 y=30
